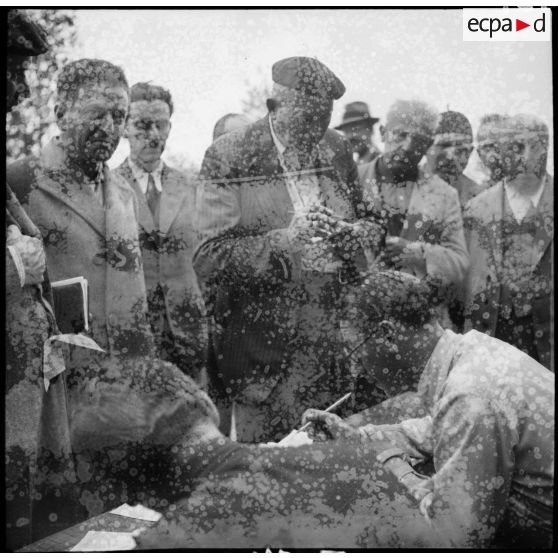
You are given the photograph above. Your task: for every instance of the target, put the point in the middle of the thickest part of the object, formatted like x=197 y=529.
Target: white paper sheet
x=137 y=512
x=105 y=541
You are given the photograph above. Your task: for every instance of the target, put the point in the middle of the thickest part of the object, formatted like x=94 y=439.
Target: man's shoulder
x=245 y=139
x=490 y=361
x=21 y=174
x=119 y=183
x=484 y=200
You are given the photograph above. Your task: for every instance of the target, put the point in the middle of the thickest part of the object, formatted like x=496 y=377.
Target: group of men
x=284 y=278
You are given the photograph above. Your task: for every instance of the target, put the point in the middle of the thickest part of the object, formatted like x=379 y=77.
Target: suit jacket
x=484 y=282
x=272 y=315
x=467 y=189
x=36 y=420
x=167 y=261
x=83 y=238
x=434 y=218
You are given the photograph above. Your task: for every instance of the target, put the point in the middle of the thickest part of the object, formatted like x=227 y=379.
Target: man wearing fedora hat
x=358 y=127
x=283 y=227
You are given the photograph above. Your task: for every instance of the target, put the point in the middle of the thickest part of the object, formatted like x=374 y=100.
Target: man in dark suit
x=166 y=203
x=36 y=426
x=283 y=228
x=510 y=234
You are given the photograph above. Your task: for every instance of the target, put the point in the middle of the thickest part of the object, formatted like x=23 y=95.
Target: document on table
x=105 y=541
x=137 y=512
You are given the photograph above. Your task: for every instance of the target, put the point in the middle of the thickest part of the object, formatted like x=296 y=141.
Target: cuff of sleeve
x=18 y=262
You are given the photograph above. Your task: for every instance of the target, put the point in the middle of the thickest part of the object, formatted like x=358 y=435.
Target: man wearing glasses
x=166 y=200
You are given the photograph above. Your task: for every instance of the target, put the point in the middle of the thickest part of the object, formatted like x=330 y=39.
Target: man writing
x=479 y=408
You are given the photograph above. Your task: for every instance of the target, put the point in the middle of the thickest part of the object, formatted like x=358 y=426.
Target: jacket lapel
x=262 y=166
x=145 y=217
x=494 y=218
x=61 y=184
x=174 y=192
x=545 y=212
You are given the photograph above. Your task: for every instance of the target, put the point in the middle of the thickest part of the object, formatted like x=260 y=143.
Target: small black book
x=71 y=304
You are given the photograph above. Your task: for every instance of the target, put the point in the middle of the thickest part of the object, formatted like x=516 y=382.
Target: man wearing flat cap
x=282 y=228
x=37 y=430
x=358 y=127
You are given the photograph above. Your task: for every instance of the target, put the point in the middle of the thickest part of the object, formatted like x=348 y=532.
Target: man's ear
x=272 y=104
x=383 y=133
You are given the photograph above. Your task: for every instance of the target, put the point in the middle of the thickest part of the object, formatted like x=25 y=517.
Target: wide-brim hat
x=356 y=112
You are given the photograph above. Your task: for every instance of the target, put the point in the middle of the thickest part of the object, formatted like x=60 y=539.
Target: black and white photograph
x=279 y=279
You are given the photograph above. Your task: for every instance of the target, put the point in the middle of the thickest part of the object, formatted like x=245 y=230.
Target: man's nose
x=153 y=132
x=108 y=124
x=449 y=153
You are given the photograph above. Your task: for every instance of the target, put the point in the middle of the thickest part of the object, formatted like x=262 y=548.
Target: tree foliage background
x=257 y=92
x=33 y=118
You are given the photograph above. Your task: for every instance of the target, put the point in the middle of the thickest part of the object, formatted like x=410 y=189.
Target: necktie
x=152 y=195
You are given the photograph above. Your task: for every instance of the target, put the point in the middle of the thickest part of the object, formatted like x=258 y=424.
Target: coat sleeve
x=474 y=462
x=13 y=281
x=448 y=260
x=227 y=250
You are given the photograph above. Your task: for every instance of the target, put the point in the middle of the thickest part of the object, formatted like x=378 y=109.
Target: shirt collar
x=141 y=175
x=280 y=147
x=535 y=197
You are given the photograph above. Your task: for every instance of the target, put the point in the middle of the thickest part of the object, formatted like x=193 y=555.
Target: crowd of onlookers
x=304 y=264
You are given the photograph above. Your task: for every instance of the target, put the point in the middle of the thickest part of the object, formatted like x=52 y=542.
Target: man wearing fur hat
x=283 y=228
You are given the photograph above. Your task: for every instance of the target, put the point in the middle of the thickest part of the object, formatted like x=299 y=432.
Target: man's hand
x=327 y=426
x=31 y=252
x=403 y=253
x=307 y=225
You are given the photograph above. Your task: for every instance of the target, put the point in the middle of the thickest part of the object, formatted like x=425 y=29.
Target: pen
x=330 y=408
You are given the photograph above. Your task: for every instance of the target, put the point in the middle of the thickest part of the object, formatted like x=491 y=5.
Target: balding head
x=408 y=133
